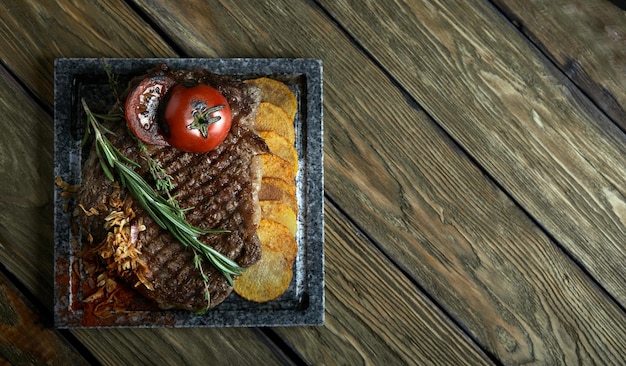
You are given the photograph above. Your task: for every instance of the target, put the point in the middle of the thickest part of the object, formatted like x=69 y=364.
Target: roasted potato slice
x=273 y=118
x=280 y=147
x=280 y=212
x=276 y=189
x=277 y=182
x=277 y=167
x=277 y=93
x=280 y=183
x=270 y=277
x=267 y=279
x=277 y=237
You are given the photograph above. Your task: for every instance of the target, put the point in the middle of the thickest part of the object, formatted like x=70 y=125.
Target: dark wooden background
x=475 y=169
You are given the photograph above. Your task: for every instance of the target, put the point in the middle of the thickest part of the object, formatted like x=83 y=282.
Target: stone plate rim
x=303 y=304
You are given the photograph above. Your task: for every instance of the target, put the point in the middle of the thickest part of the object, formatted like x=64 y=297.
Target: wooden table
x=475 y=177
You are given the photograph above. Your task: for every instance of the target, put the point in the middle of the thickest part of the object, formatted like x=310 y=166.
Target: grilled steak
x=219 y=187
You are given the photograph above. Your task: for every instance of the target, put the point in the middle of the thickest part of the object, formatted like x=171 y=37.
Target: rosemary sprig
x=166 y=214
x=163 y=181
x=197 y=261
x=113 y=82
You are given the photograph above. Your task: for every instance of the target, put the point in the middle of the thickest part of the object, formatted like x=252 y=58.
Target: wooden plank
x=24 y=339
x=194 y=346
x=26 y=229
x=34 y=33
x=419 y=197
x=587 y=41
x=524 y=122
x=374 y=314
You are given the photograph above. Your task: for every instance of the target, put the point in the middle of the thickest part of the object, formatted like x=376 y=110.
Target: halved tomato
x=142 y=107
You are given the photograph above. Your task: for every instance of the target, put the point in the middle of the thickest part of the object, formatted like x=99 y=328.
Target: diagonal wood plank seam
x=43 y=312
x=382 y=264
x=578 y=97
x=457 y=144
x=141 y=14
x=542 y=49
x=419 y=288
x=281 y=347
x=552 y=244
x=23 y=86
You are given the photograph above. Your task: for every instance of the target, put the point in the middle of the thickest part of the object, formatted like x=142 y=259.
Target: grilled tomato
x=142 y=108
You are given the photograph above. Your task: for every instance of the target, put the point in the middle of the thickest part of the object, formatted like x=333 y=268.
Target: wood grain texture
x=24 y=340
x=177 y=347
x=450 y=228
x=374 y=314
x=34 y=33
x=422 y=200
x=522 y=120
x=586 y=39
x=218 y=29
x=26 y=229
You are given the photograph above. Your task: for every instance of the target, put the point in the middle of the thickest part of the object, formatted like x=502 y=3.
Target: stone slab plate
x=302 y=304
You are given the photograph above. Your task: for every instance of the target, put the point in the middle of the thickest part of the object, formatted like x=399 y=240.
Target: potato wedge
x=277 y=93
x=280 y=212
x=280 y=147
x=267 y=279
x=273 y=118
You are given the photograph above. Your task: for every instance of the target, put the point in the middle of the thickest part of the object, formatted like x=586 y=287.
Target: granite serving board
x=301 y=304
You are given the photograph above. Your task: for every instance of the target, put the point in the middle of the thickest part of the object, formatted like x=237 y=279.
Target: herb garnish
x=113 y=83
x=164 y=211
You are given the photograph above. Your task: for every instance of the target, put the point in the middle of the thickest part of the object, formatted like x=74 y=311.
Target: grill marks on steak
x=220 y=189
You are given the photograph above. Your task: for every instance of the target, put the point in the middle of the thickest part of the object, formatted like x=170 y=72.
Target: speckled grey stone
x=303 y=303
